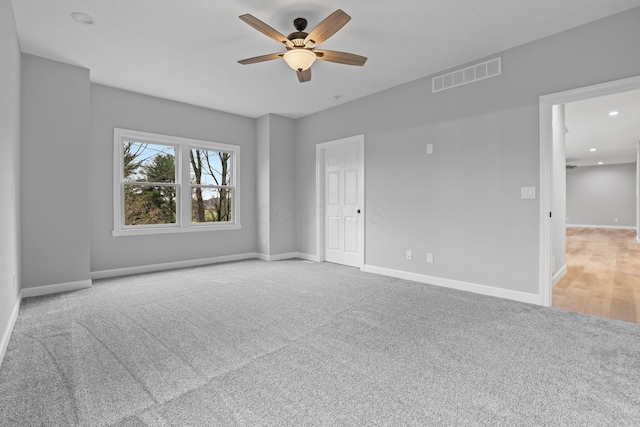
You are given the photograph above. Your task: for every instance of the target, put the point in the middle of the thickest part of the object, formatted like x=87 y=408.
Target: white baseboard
x=6 y=334
x=307 y=257
x=289 y=255
x=56 y=288
x=559 y=275
x=277 y=257
x=280 y=257
x=456 y=284
x=151 y=268
x=611 y=227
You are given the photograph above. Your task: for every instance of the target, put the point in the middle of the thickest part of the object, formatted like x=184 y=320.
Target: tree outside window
x=211 y=191
x=150 y=183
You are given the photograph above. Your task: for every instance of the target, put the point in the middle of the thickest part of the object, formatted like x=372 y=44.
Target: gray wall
x=263 y=137
x=281 y=187
x=275 y=152
x=463 y=202
x=9 y=165
x=54 y=172
x=597 y=195
x=117 y=108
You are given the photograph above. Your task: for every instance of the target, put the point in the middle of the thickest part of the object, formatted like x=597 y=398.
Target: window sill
x=172 y=230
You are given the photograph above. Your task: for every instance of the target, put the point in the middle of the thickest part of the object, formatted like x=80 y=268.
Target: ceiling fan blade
x=328 y=27
x=340 y=57
x=261 y=58
x=266 y=29
x=304 y=76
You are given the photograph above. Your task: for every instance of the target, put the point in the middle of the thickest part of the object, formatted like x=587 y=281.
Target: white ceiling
x=187 y=50
x=589 y=125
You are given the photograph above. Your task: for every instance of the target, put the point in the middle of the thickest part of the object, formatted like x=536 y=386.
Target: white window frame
x=183 y=187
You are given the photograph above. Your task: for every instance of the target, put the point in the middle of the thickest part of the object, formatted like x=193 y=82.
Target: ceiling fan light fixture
x=299 y=59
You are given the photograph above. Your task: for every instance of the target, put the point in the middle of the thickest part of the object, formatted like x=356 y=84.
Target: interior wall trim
x=6 y=334
x=609 y=227
x=152 y=268
x=308 y=257
x=288 y=255
x=456 y=284
x=559 y=275
x=546 y=103
x=37 y=291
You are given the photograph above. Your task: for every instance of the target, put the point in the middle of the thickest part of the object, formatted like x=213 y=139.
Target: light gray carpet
x=296 y=343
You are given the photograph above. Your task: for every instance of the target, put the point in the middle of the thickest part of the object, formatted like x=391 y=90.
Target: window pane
x=210 y=204
x=210 y=167
x=147 y=204
x=146 y=162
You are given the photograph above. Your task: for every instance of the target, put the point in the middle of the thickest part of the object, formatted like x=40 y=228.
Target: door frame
x=546 y=167
x=320 y=195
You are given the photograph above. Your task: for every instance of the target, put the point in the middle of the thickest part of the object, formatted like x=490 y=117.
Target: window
x=167 y=184
x=211 y=190
x=149 y=183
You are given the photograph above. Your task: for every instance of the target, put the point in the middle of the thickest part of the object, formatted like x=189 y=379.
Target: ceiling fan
x=301 y=47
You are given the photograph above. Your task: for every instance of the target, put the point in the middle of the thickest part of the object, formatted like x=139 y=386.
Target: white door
x=344 y=204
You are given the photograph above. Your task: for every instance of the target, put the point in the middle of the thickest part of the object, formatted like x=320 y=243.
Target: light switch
x=429 y=148
x=527 y=192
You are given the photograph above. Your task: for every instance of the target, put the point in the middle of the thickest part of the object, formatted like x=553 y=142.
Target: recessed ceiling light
x=592 y=149
x=82 y=18
x=600 y=163
x=614 y=113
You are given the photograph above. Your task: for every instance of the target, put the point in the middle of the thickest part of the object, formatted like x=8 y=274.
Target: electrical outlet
x=264 y=241
x=409 y=255
x=429 y=148
x=430 y=257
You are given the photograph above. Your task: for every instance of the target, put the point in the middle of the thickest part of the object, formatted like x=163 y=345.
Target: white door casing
x=546 y=103
x=340 y=184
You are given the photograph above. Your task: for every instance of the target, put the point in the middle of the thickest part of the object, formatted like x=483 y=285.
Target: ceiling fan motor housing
x=300 y=24
x=297 y=39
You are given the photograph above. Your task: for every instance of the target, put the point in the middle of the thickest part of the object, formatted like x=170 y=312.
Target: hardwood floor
x=603 y=275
